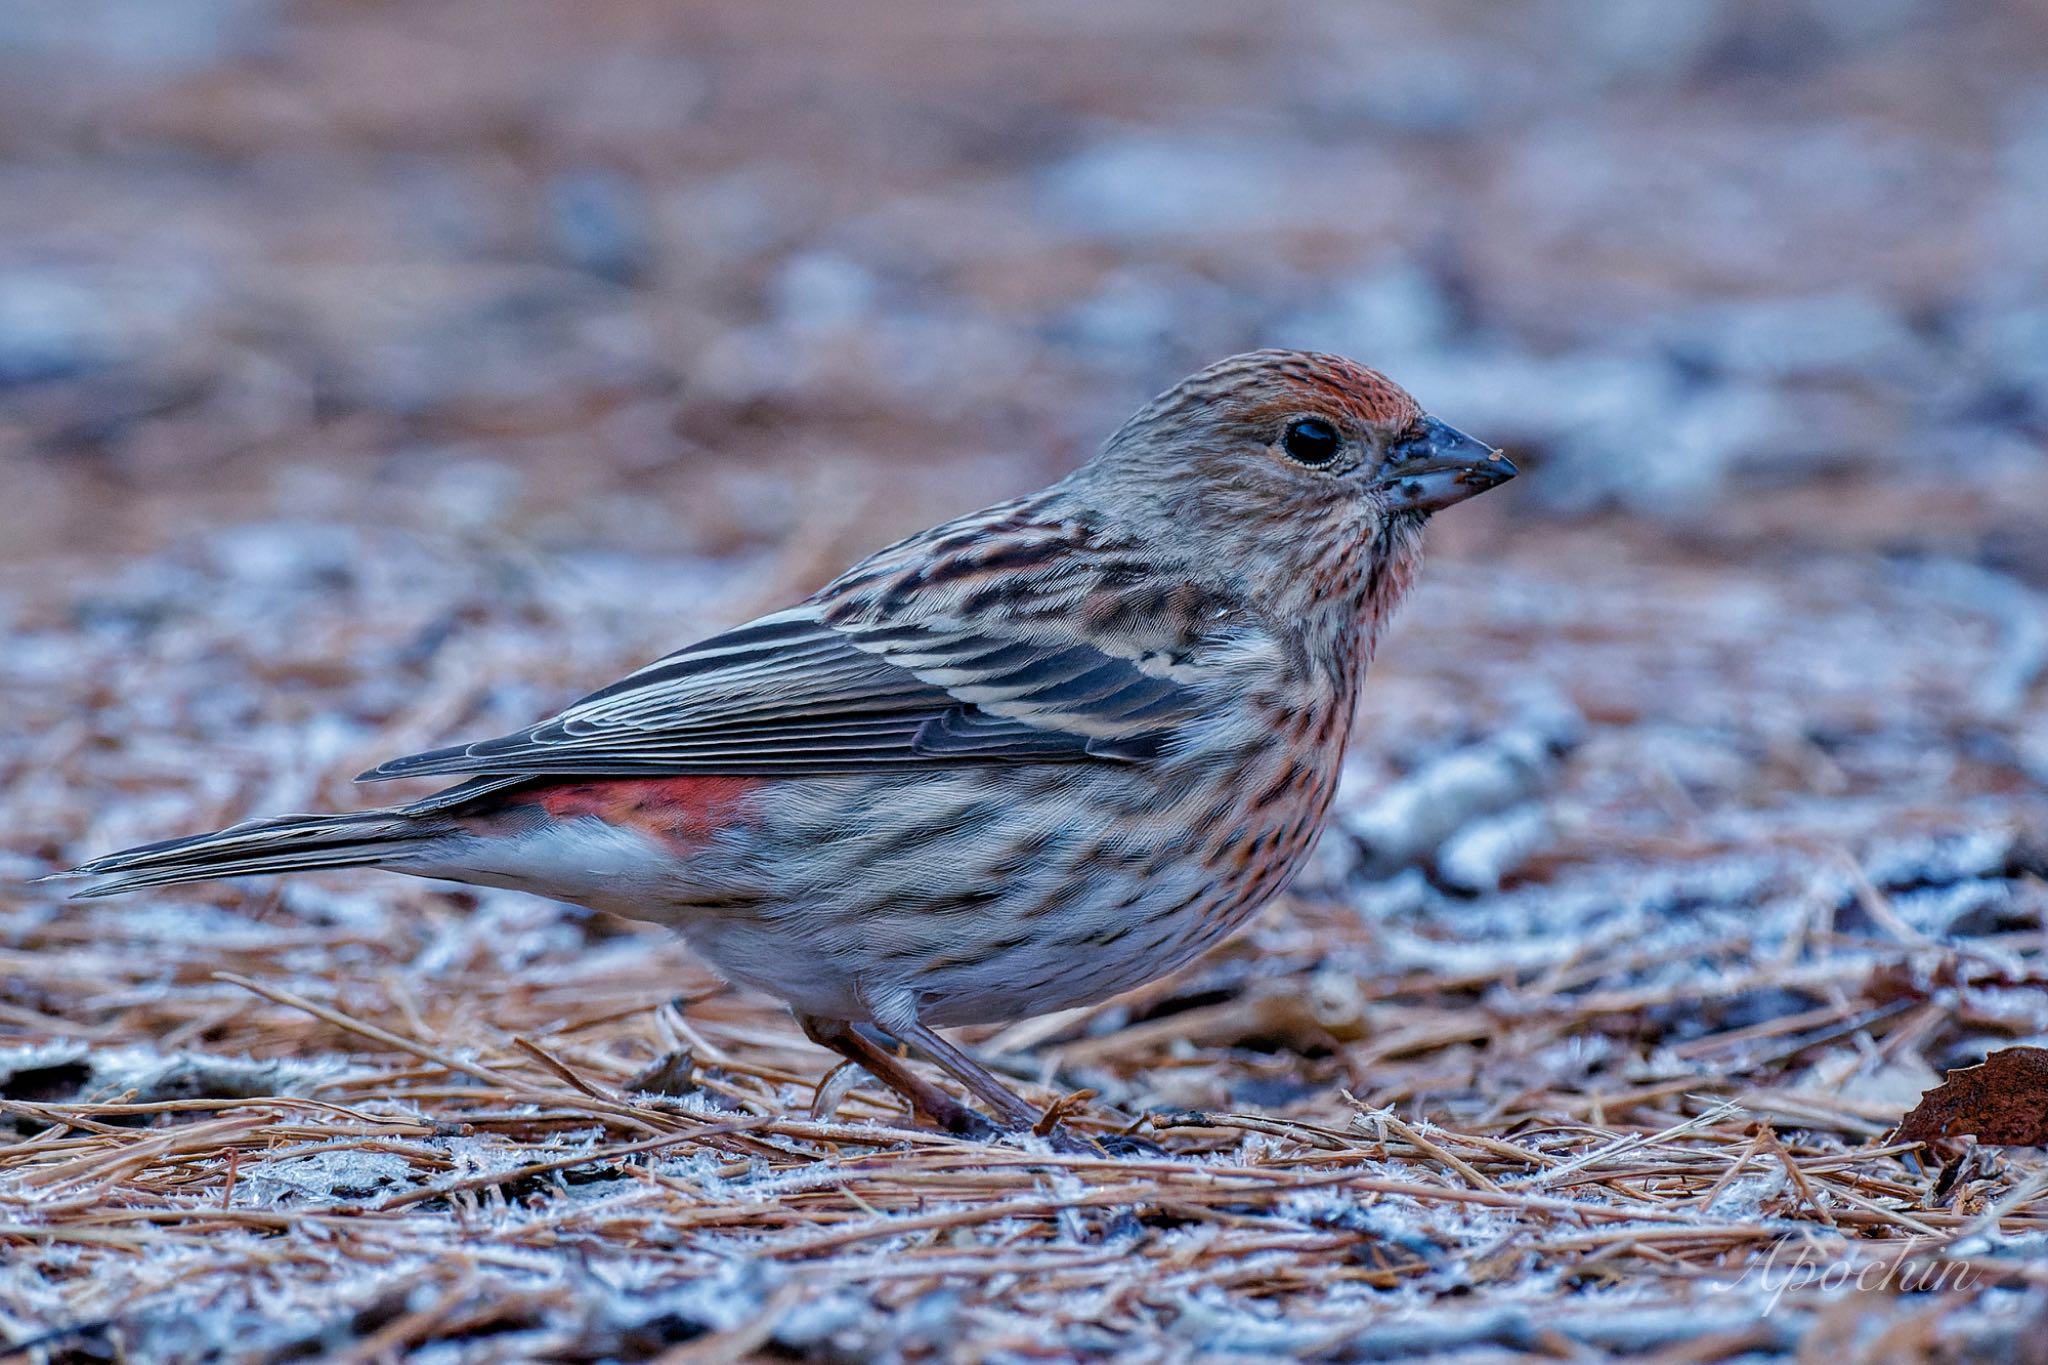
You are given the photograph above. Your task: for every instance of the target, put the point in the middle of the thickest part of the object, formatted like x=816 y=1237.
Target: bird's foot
x=961 y=1122
x=1130 y=1146
x=1116 y=1146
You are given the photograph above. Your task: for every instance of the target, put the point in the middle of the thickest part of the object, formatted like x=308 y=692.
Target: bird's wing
x=789 y=693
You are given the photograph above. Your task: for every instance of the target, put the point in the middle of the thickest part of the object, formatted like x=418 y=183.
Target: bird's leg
x=1018 y=1114
x=934 y=1104
x=1014 y=1109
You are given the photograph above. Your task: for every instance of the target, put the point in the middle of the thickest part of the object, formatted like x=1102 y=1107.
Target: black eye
x=1312 y=441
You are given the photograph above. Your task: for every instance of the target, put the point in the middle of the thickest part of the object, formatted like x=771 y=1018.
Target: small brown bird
x=1019 y=762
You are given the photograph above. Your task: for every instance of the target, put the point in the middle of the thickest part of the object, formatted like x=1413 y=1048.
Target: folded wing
x=790 y=694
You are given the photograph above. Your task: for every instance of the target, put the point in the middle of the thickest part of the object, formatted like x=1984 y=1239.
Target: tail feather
x=284 y=843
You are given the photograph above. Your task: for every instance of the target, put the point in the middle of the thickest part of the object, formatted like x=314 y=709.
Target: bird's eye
x=1311 y=441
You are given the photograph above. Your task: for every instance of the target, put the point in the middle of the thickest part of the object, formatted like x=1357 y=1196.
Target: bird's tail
x=283 y=843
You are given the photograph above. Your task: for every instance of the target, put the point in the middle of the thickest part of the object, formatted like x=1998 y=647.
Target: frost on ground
x=1694 y=827
x=1625 y=1085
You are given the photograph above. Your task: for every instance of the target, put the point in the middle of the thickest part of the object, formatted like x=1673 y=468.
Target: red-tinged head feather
x=1307 y=379
x=1268 y=386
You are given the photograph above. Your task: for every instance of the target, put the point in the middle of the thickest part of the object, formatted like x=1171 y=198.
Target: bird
x=1023 y=761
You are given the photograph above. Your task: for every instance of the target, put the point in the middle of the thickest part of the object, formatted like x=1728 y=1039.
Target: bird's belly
x=997 y=894
x=709 y=887
x=977 y=896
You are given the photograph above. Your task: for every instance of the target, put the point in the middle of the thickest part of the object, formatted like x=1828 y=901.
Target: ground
x=373 y=376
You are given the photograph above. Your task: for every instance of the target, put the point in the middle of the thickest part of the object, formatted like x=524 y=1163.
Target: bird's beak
x=1439 y=466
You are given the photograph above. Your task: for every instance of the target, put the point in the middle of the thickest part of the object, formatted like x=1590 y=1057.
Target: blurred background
x=381 y=373
x=690 y=277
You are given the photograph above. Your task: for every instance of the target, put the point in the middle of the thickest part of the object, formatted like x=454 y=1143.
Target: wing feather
x=790 y=693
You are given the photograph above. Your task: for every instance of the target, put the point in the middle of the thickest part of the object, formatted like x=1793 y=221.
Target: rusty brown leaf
x=2004 y=1101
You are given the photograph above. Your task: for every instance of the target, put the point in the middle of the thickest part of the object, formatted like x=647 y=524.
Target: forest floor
x=376 y=376
x=1632 y=942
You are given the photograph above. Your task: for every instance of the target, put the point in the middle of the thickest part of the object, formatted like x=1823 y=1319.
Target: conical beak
x=1439 y=466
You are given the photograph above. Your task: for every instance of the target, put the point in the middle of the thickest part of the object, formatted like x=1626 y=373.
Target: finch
x=1016 y=763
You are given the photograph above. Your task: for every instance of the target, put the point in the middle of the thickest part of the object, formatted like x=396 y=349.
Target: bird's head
x=1289 y=458
x=1298 y=427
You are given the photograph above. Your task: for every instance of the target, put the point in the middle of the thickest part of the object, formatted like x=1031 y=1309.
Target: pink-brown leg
x=1018 y=1113
x=1014 y=1109
x=930 y=1102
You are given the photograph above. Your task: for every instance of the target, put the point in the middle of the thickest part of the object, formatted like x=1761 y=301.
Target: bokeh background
x=667 y=275
x=378 y=373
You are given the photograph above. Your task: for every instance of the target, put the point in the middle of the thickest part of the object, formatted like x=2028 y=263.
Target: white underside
x=869 y=967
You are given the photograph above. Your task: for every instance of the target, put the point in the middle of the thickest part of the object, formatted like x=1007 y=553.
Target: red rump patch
x=683 y=812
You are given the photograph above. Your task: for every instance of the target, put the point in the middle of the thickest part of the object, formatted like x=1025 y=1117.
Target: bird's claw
x=1115 y=1146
